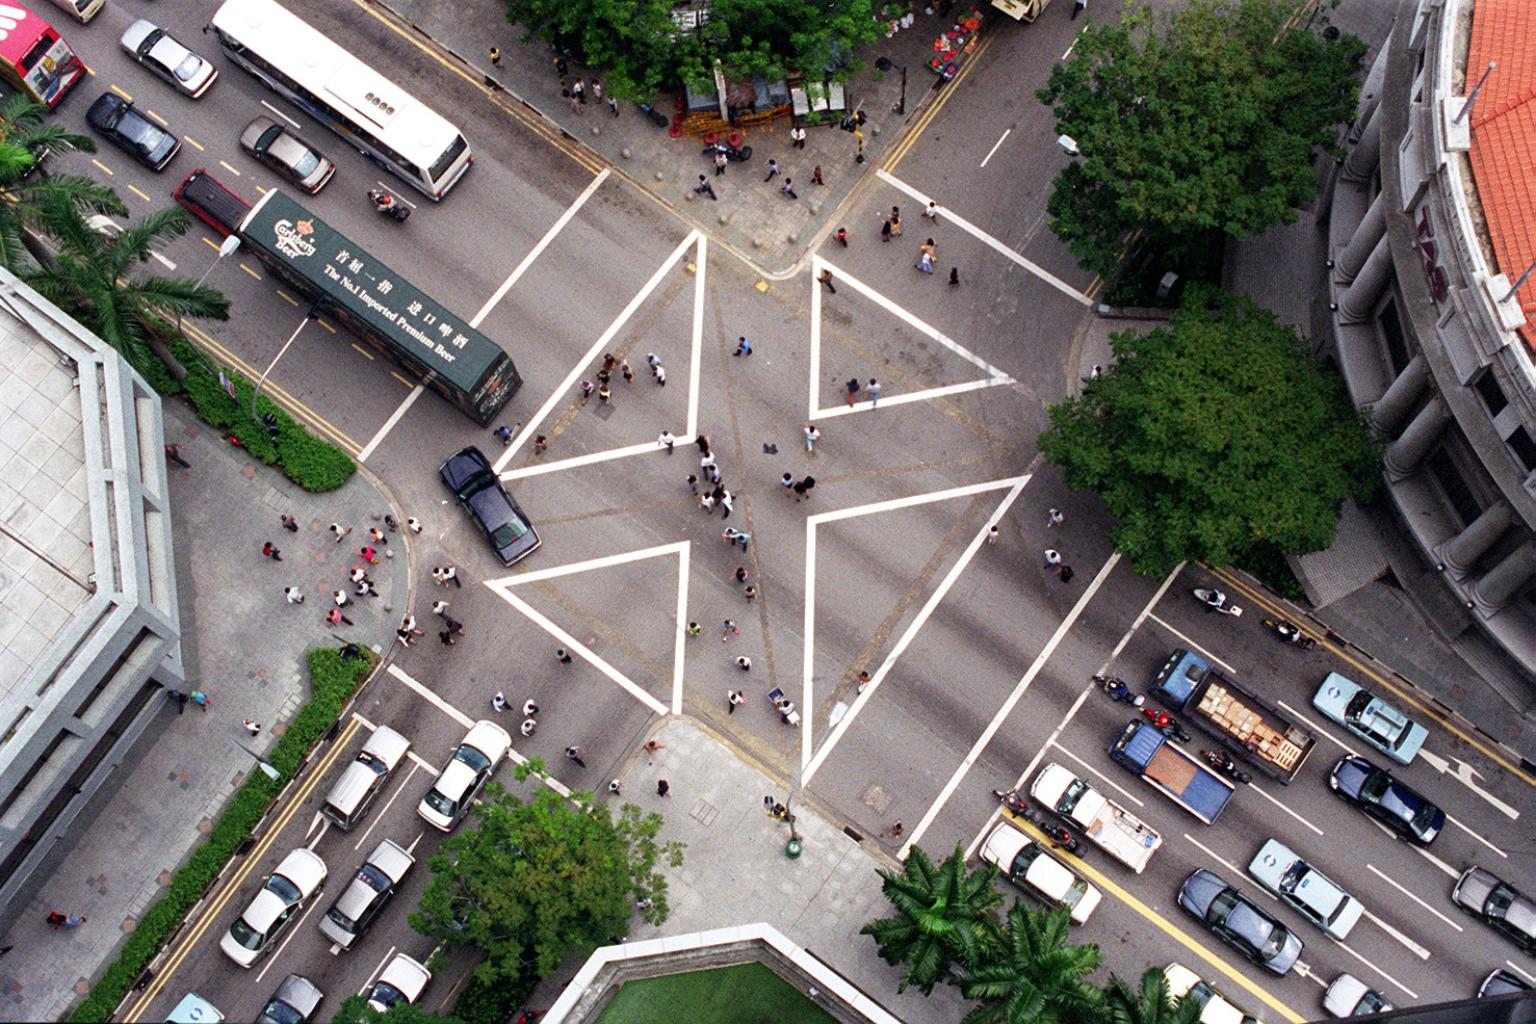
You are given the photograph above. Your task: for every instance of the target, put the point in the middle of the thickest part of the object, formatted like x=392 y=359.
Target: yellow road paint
x=141 y=195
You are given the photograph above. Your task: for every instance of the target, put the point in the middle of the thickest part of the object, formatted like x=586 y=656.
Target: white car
x=1348 y=996
x=154 y=48
x=1024 y=863
x=472 y=766
x=1305 y=889
x=401 y=981
x=1184 y=983
x=274 y=909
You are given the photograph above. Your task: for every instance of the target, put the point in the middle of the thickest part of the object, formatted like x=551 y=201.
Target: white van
x=81 y=10
x=349 y=799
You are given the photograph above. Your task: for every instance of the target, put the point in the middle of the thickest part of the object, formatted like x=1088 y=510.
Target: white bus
x=376 y=116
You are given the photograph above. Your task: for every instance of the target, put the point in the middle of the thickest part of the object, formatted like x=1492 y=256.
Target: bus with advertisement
x=34 y=58
x=381 y=307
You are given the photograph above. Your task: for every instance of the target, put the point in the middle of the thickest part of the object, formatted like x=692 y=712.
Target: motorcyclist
x=382 y=200
x=1159 y=717
x=1216 y=599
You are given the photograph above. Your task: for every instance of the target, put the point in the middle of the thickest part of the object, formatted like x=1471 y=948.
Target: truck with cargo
x=1107 y=825
x=1245 y=723
x=1168 y=767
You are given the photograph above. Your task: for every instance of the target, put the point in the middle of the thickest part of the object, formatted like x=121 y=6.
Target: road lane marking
x=140 y=193
x=927 y=117
x=1193 y=646
x=163 y=122
x=1521 y=971
x=986 y=159
x=389 y=424
x=280 y=114
x=988 y=240
x=1475 y=835
x=194 y=143
x=808 y=763
x=1218 y=858
x=248 y=270
x=1318 y=729
x=1282 y=805
x=1466 y=774
x=1413 y=947
x=1393 y=883
x=230 y=168
x=103 y=167
x=118 y=89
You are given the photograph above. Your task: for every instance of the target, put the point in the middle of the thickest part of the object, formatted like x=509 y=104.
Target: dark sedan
x=1237 y=922
x=1389 y=800
x=132 y=132
x=470 y=477
x=1499 y=905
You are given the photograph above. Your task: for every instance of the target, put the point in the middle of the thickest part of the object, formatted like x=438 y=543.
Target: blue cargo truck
x=1162 y=763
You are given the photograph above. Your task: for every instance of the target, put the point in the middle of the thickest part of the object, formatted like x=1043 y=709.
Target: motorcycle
x=1216 y=601
x=740 y=154
x=1119 y=691
x=1289 y=633
x=1059 y=834
x=388 y=204
x=657 y=117
x=1165 y=723
x=1222 y=762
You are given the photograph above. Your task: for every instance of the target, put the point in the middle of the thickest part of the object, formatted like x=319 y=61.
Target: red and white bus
x=34 y=58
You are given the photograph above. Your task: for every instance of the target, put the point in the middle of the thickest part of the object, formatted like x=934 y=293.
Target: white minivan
x=81 y=10
x=473 y=764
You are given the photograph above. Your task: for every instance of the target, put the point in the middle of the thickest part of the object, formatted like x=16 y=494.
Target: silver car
x=367 y=894
x=274 y=908
x=294 y=1002
x=287 y=154
x=1306 y=889
x=1498 y=904
x=154 y=48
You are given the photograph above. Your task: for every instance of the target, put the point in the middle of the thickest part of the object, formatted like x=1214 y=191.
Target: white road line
x=968 y=227
x=1411 y=993
x=679 y=635
x=696 y=349
x=590 y=565
x=1218 y=858
x=1393 y=883
x=1014 y=698
x=167 y=264
x=1521 y=971
x=1104 y=780
x=1282 y=805
x=538 y=469
x=563 y=388
x=280 y=114
x=1473 y=833
x=916 y=396
x=986 y=159
x=810 y=764
x=430 y=697
x=389 y=424
x=1317 y=728
x=1193 y=646
x=1413 y=947
x=1467 y=775
x=815 y=369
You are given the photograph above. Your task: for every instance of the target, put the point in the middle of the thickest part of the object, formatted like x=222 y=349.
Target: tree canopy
x=355 y=1010
x=1194 y=124
x=538 y=880
x=640 y=50
x=1217 y=437
x=1037 y=976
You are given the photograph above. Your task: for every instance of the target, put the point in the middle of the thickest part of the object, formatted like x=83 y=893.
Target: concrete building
x=1431 y=227
x=88 y=615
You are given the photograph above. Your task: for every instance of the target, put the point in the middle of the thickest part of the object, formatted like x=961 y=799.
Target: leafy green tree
x=541 y=879
x=1197 y=124
x=1037 y=977
x=945 y=915
x=1149 y=1002
x=355 y=1010
x=1217 y=437
x=91 y=276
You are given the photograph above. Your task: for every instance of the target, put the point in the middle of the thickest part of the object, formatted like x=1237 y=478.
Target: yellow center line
x=1157 y=919
x=403 y=380
x=230 y=168
x=120 y=92
x=141 y=195
x=362 y=352
x=287 y=298
x=210 y=912
x=103 y=167
x=248 y=270
x=1386 y=682
x=928 y=115
x=163 y=122
x=194 y=143
x=327 y=326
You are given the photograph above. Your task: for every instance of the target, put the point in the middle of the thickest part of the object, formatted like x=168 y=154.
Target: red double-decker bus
x=34 y=58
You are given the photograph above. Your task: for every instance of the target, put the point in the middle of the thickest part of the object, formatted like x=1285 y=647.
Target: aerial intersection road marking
x=1467 y=775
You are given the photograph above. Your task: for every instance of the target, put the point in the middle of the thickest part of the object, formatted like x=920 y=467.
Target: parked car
x=211 y=201
x=274 y=908
x=470 y=477
x=473 y=764
x=1185 y=984
x=1026 y=864
x=132 y=132
x=1305 y=889
x=1499 y=905
x=1390 y=801
x=401 y=981
x=1502 y=983
x=287 y=154
x=1348 y=996
x=165 y=58
x=294 y=1002
x=1369 y=717
x=367 y=894
x=1238 y=922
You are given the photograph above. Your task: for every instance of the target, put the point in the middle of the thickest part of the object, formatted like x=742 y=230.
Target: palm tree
x=1149 y=1002
x=1037 y=977
x=90 y=277
x=944 y=915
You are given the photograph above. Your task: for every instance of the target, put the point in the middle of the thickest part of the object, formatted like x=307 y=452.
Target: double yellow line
x=926 y=117
x=211 y=909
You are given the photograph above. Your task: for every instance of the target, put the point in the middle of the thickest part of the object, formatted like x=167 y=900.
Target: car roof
x=136 y=33
x=392 y=859
x=194 y=1009
x=264 y=909
x=406 y=974
x=490 y=739
x=455 y=780
x=1344 y=994
x=1003 y=844
x=303 y=868
x=300 y=993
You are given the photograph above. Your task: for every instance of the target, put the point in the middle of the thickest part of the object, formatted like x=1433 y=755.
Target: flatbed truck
x=1169 y=768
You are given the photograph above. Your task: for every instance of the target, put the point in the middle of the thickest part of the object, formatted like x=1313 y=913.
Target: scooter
x=388 y=204
x=1119 y=691
x=1289 y=633
x=1059 y=834
x=1222 y=762
x=740 y=154
x=1216 y=601
x=1165 y=723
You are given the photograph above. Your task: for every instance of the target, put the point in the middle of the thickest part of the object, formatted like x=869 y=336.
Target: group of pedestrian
x=797 y=489
x=1053 y=560
x=872 y=389
x=711 y=490
x=362 y=583
x=603 y=388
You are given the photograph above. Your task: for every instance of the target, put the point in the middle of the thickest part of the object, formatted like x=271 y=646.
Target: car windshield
x=1356 y=707
x=375 y=879
x=281 y=1012
x=341 y=920
x=441 y=804
x=467 y=754
x=1293 y=876
x=386 y=994
x=508 y=532
x=244 y=934
x=1073 y=794
x=1224 y=903
x=1375 y=787
x=1276 y=941
x=1499 y=901
x=286 y=890
x=1075 y=894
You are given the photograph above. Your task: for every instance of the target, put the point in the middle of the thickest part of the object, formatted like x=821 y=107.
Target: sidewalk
x=735 y=870
x=766 y=228
x=243 y=646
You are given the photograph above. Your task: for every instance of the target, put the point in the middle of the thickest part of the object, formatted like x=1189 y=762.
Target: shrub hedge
x=333 y=680
x=493 y=1003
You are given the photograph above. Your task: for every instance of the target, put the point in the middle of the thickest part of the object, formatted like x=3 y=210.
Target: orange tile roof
x=1504 y=135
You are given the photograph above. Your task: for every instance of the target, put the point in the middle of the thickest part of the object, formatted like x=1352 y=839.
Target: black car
x=1501 y=983
x=470 y=477
x=1237 y=921
x=1387 y=799
x=132 y=132
x=1498 y=904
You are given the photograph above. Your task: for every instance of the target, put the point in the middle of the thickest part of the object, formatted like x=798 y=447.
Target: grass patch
x=743 y=994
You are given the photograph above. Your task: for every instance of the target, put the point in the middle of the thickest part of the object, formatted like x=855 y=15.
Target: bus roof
x=369 y=290
x=15 y=42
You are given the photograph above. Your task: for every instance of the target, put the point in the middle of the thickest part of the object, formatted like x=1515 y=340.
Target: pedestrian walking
x=446 y=636
x=932 y=212
x=528 y=726
x=744 y=663
x=741 y=570
x=604 y=394
x=340 y=597
x=499 y=702
x=816 y=176
x=74 y=922
x=773 y=168
x=812 y=435
x=614 y=788
x=440 y=608
x=729 y=630
x=992 y=534
x=743 y=347
x=413 y=524
x=626 y=372
x=1096 y=372
x=574 y=754
x=254 y=728
x=651 y=360
x=358 y=575
x=802 y=489
x=378 y=536
x=885 y=229
x=409 y=625
x=340 y=531
x=954 y=277
x=788 y=188
x=925 y=255
x=1065 y=574
x=852 y=387
x=269 y=550
x=873 y=387
x=662 y=788
x=390 y=524
x=704 y=188
x=562 y=656
x=650 y=748
x=896 y=221
x=290 y=524
x=720 y=162
x=733 y=700
x=451 y=575
x=1078 y=7
x=1054 y=518
x=579 y=91
x=842 y=237
x=896 y=829
x=797 y=137
x=613 y=105
x=334 y=617
x=727 y=503
x=454 y=625
x=788 y=483
x=750 y=594
x=173 y=452
x=437 y=575
x=1052 y=558
x=666 y=440
x=707 y=503
x=179 y=699
x=587 y=387
x=495 y=57
x=540 y=444
x=56 y=919
x=735 y=536
x=365 y=588
x=660 y=373
x=693 y=482
x=864 y=681
x=694 y=629
x=597 y=89
x=369 y=553
x=826 y=279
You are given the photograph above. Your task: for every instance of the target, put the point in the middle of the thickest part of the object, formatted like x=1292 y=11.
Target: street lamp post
x=269 y=771
x=885 y=64
x=229 y=245
x=313 y=314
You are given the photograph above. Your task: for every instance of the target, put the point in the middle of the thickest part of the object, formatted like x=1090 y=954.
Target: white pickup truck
x=1107 y=825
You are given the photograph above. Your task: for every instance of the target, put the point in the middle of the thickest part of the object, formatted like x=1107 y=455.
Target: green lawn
x=744 y=994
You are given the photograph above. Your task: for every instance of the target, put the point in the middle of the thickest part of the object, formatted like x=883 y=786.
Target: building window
x=1487 y=388
x=1524 y=447
x=1392 y=335
x=1453 y=485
